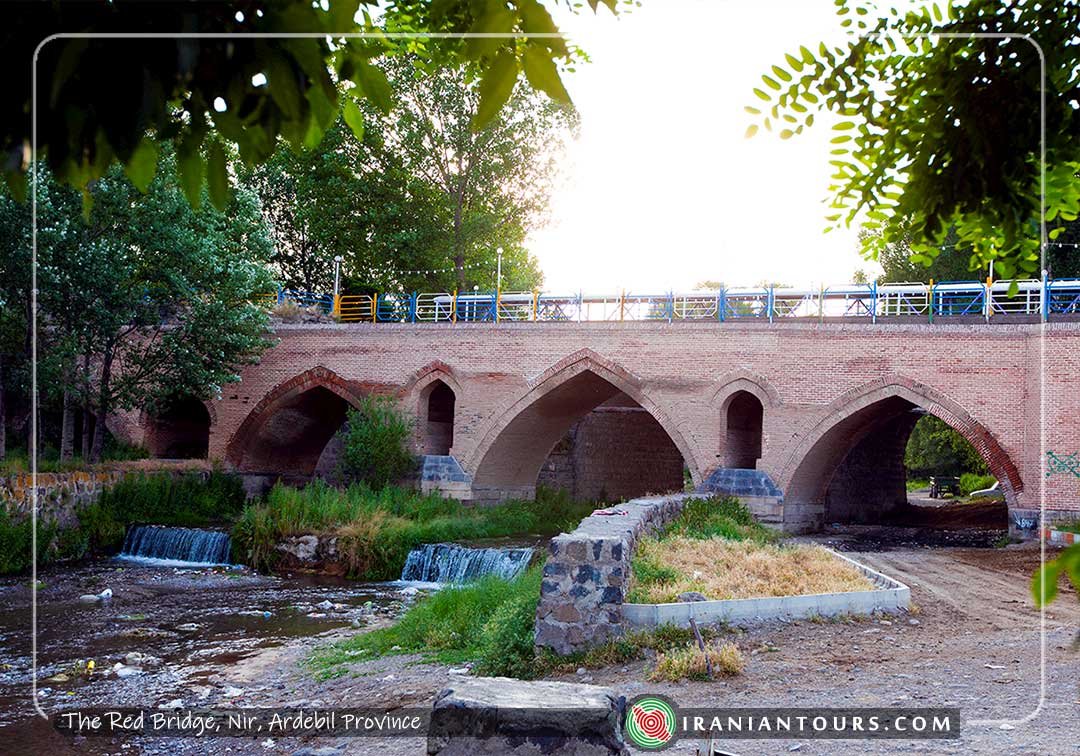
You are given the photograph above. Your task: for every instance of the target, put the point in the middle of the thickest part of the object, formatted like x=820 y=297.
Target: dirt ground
x=973 y=641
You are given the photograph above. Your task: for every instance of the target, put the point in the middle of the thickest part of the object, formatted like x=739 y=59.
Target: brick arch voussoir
x=281 y=394
x=933 y=401
x=742 y=379
x=581 y=361
x=436 y=370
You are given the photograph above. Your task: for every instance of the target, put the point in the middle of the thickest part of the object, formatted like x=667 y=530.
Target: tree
x=146 y=299
x=418 y=201
x=487 y=187
x=942 y=135
x=106 y=100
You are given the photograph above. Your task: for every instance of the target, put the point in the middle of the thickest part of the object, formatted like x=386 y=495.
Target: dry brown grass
x=688 y=663
x=723 y=569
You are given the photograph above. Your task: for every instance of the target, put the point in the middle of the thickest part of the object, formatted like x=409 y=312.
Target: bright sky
x=662 y=189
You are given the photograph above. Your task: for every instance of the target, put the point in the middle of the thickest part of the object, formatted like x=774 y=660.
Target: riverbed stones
x=498 y=715
x=584 y=579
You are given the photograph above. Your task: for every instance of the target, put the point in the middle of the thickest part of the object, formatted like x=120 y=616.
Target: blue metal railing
x=872 y=302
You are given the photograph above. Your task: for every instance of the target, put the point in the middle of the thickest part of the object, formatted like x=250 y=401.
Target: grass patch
x=376 y=530
x=715 y=547
x=17 y=460
x=971 y=482
x=689 y=662
x=719 y=517
x=489 y=621
x=190 y=500
x=917 y=484
x=725 y=569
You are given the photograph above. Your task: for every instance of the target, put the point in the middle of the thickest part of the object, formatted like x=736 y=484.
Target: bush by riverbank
x=375 y=530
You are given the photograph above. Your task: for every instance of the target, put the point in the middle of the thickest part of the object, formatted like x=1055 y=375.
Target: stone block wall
x=588 y=570
x=62 y=495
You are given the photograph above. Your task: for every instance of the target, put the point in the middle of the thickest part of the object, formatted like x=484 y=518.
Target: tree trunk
x=87 y=412
x=67 y=428
x=102 y=408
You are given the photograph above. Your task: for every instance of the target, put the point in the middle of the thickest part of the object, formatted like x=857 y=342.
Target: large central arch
x=869 y=426
x=508 y=459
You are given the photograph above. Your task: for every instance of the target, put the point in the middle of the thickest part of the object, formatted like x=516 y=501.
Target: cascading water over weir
x=187 y=545
x=451 y=563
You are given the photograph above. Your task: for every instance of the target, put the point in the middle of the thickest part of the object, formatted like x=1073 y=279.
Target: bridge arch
x=287 y=431
x=870 y=425
x=180 y=429
x=511 y=452
x=432 y=394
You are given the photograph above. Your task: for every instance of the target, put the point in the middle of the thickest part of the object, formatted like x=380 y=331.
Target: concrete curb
x=889 y=595
x=1060 y=537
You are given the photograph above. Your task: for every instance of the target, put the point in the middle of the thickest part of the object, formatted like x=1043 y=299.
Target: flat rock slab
x=501 y=715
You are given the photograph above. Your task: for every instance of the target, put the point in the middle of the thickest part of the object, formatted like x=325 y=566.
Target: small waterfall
x=450 y=563
x=187 y=545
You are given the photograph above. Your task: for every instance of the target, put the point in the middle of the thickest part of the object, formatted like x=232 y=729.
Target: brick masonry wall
x=984 y=379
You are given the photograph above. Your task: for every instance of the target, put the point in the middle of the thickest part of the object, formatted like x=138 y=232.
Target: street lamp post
x=498 y=269
x=337 y=275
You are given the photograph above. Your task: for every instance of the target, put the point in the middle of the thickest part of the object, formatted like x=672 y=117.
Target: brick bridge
x=820 y=412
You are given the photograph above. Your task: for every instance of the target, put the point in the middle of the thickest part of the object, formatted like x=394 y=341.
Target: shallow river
x=192 y=621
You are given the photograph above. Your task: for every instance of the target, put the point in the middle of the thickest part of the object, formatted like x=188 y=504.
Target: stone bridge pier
x=805 y=421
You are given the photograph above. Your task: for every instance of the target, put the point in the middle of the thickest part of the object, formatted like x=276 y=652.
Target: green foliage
x=161 y=499
x=377 y=529
x=1044 y=584
x=484 y=620
x=716 y=516
x=375 y=447
x=934 y=448
x=198 y=91
x=15 y=542
x=955 y=114
x=188 y=500
x=973 y=482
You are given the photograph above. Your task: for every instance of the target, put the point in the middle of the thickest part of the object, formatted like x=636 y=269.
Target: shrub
x=971 y=482
x=376 y=438
x=15 y=542
x=688 y=662
x=505 y=647
x=377 y=529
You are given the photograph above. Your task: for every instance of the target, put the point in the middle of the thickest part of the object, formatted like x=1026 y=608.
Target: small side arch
x=290 y=426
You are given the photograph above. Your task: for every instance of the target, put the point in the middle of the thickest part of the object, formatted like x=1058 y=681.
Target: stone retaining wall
x=62 y=495
x=587 y=572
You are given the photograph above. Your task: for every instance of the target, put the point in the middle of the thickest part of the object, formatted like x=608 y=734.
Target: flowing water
x=167 y=546
x=452 y=563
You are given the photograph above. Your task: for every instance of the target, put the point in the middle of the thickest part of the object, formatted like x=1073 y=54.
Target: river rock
x=123 y=670
x=136 y=659
x=325 y=606
x=302 y=547
x=498 y=715
x=691 y=596
x=188 y=627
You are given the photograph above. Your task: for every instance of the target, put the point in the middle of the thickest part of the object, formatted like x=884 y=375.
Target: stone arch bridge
x=808 y=421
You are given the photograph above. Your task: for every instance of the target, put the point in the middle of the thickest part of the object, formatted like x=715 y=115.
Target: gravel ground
x=972 y=642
